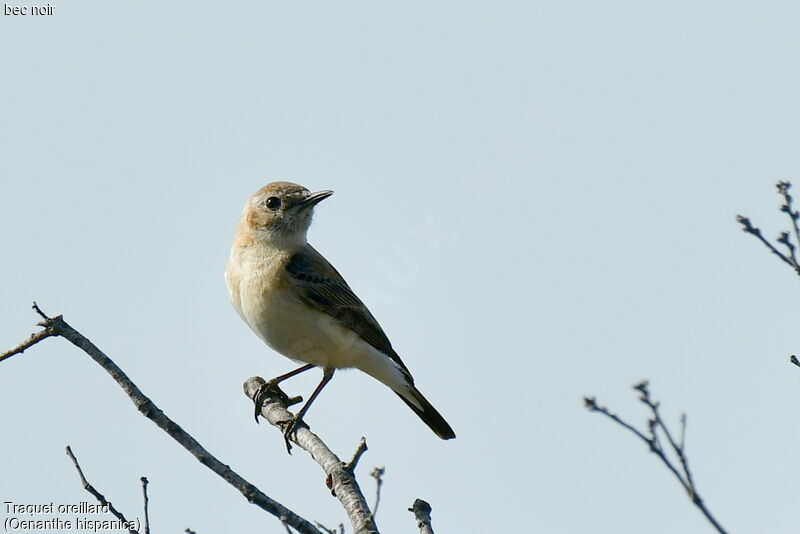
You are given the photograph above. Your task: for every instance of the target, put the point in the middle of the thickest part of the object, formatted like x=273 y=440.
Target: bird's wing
x=321 y=286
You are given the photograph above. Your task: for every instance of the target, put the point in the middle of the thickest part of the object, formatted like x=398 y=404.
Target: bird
x=301 y=307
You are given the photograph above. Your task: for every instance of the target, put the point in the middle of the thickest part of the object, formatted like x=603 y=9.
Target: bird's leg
x=278 y=379
x=271 y=388
x=326 y=377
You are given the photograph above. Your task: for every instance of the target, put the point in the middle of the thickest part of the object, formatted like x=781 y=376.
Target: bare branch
x=422 y=513
x=96 y=494
x=750 y=229
x=683 y=430
x=592 y=406
x=31 y=341
x=190 y=531
x=678 y=449
x=786 y=241
x=339 y=478
x=146 y=503
x=40 y=313
x=783 y=189
x=784 y=237
x=56 y=326
x=655 y=425
x=377 y=474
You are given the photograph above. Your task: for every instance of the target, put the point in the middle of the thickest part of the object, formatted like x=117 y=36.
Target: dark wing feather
x=323 y=288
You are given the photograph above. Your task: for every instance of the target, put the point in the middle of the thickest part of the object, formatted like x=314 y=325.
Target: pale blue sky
x=536 y=200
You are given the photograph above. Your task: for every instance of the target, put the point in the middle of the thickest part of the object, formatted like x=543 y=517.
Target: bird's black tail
x=427 y=413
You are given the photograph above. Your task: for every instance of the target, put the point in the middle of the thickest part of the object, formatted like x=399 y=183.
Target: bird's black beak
x=314 y=198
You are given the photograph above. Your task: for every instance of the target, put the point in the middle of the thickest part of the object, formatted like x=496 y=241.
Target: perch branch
x=57 y=326
x=655 y=425
x=96 y=494
x=422 y=513
x=339 y=476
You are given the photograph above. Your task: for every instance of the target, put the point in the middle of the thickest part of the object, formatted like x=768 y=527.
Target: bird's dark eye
x=273 y=203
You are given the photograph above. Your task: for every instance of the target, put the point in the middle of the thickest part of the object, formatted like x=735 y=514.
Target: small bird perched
x=300 y=306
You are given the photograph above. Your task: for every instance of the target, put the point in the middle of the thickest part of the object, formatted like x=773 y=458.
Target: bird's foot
x=291 y=426
x=270 y=390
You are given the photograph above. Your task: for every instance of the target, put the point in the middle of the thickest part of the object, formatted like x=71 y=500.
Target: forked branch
x=785 y=239
x=656 y=428
x=57 y=327
x=340 y=476
x=99 y=496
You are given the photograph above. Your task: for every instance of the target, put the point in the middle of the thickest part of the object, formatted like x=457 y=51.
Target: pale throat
x=279 y=240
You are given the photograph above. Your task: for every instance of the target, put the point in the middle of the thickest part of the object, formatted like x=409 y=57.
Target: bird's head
x=281 y=211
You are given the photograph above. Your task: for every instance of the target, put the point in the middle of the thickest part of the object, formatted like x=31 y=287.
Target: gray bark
x=340 y=476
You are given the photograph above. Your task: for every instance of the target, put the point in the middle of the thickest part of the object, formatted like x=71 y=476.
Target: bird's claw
x=291 y=427
x=267 y=390
x=291 y=424
x=287 y=434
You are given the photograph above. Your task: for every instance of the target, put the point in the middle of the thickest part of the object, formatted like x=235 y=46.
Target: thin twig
x=189 y=531
x=591 y=404
x=750 y=229
x=56 y=326
x=339 y=479
x=97 y=495
x=31 y=341
x=360 y=450
x=783 y=189
x=794 y=360
x=656 y=424
x=786 y=241
x=678 y=449
x=146 y=503
x=324 y=529
x=422 y=513
x=377 y=474
x=39 y=312
x=784 y=237
x=683 y=430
